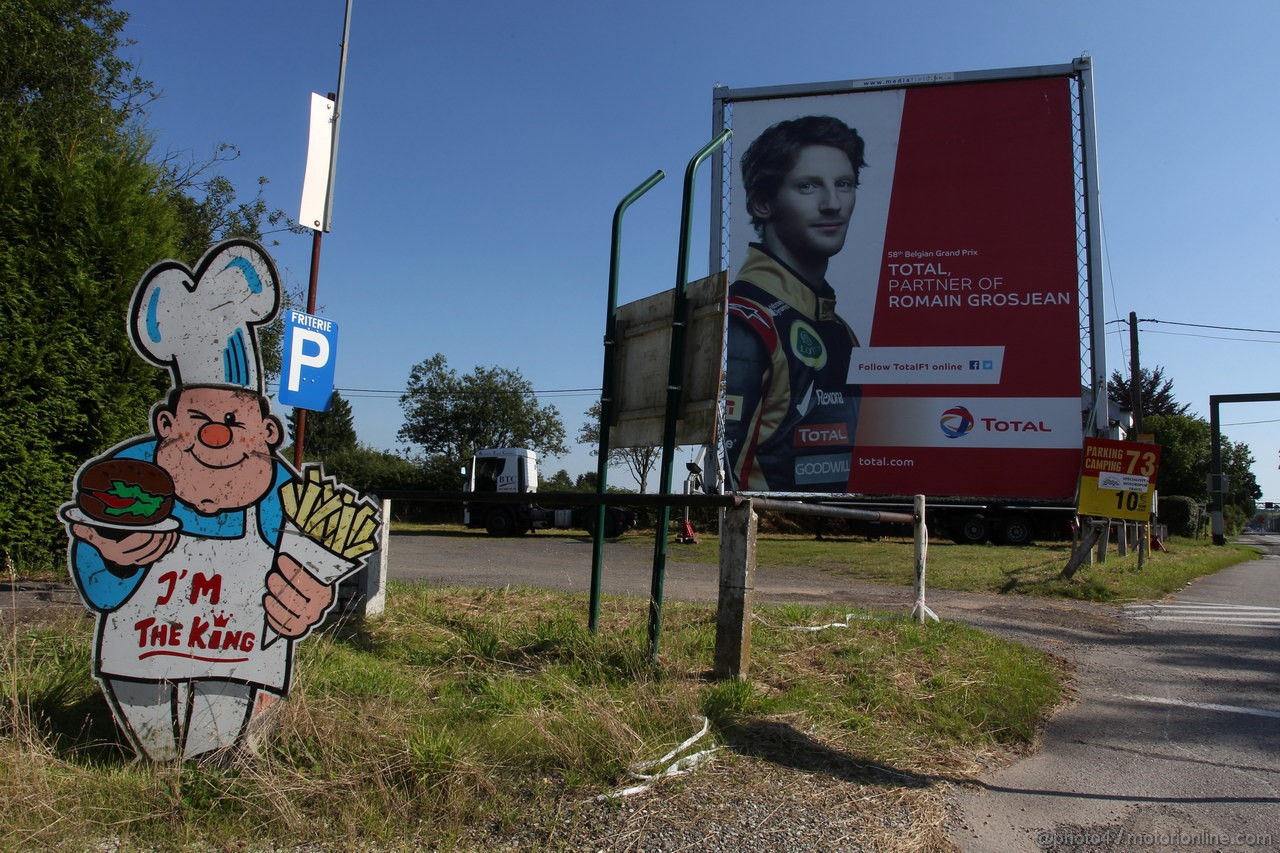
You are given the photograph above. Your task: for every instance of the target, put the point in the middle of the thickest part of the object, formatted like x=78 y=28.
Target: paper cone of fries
x=328 y=528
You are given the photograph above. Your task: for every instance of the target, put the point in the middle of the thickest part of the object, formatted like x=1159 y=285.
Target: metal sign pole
x=607 y=391
x=675 y=378
x=313 y=282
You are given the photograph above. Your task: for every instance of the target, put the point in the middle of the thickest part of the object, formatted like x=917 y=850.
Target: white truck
x=514 y=470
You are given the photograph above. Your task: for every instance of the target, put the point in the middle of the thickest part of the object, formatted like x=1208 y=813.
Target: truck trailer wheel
x=501 y=522
x=617 y=522
x=973 y=529
x=1017 y=530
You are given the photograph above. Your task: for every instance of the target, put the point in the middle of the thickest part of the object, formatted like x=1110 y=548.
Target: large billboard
x=904 y=309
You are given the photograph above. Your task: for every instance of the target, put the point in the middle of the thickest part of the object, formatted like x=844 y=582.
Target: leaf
x=144 y=503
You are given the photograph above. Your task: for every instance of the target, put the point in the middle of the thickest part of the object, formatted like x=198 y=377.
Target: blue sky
x=485 y=146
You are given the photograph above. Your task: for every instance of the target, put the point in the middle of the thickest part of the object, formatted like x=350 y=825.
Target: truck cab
x=514 y=471
x=500 y=470
x=505 y=470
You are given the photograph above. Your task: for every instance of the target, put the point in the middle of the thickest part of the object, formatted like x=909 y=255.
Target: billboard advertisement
x=904 y=309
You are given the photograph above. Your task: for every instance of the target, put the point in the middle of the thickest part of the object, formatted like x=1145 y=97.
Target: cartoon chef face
x=217 y=444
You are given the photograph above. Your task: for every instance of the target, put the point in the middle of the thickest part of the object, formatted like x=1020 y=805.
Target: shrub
x=1179 y=513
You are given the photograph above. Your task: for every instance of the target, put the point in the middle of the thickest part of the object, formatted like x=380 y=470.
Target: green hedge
x=1179 y=514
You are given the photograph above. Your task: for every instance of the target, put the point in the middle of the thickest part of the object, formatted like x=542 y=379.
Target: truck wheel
x=501 y=522
x=1016 y=530
x=614 y=525
x=972 y=530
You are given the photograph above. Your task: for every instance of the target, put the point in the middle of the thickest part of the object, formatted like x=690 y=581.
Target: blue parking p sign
x=310 y=357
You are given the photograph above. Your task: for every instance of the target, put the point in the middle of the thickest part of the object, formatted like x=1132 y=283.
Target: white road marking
x=1205 y=706
x=1206 y=612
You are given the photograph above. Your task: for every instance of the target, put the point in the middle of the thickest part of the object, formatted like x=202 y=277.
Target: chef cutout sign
x=205 y=556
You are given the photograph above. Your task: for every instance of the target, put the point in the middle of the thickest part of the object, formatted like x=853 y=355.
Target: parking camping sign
x=1118 y=478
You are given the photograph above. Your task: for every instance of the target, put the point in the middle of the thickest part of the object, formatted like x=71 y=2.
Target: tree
x=1157 y=393
x=1186 y=458
x=84 y=211
x=62 y=86
x=1243 y=490
x=560 y=481
x=1184 y=454
x=327 y=432
x=638 y=461
x=370 y=471
x=79 y=224
x=455 y=416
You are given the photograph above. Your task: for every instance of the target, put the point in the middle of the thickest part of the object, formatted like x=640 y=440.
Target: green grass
x=1032 y=570
x=464 y=715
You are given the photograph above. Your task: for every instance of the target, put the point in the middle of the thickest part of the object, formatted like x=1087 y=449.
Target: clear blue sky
x=485 y=146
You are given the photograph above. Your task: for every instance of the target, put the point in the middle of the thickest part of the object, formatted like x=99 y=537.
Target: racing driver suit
x=790 y=413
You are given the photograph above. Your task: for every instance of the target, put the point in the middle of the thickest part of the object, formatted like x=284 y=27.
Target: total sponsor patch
x=821 y=435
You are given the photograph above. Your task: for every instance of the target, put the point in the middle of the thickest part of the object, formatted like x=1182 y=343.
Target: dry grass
x=472 y=719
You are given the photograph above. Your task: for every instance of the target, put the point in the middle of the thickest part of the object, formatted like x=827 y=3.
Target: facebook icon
x=309 y=360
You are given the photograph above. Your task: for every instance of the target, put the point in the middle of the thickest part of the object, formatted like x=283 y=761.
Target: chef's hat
x=202 y=326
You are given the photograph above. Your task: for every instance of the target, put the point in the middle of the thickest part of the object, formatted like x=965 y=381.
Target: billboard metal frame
x=1089 y=245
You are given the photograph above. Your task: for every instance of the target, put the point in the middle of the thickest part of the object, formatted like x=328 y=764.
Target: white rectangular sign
x=1123 y=482
x=975 y=365
x=315 y=183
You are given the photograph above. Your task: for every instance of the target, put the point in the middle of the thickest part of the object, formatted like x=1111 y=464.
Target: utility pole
x=300 y=434
x=1135 y=396
x=1135 y=386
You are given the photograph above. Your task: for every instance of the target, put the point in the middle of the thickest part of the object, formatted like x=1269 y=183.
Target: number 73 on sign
x=1118 y=478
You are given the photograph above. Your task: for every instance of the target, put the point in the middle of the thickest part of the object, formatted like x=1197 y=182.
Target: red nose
x=215 y=435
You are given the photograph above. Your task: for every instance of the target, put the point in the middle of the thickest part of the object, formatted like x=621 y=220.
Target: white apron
x=198 y=614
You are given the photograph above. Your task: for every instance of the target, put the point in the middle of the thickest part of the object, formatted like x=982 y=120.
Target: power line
x=396 y=393
x=1203 y=326
x=1250 y=423
x=1213 y=337
x=1111 y=280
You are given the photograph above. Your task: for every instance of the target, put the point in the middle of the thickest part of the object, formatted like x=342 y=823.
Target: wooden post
x=1084 y=550
x=921 y=612
x=1104 y=540
x=1122 y=541
x=737 y=582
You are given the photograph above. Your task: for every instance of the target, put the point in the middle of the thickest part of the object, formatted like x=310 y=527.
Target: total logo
x=956 y=422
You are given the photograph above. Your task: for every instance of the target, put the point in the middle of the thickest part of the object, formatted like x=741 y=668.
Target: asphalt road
x=1172 y=742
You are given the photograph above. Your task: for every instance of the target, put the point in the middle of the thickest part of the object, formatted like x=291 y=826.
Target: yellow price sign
x=1118 y=478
